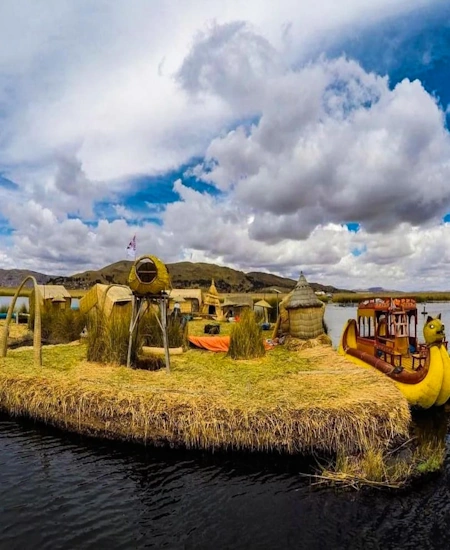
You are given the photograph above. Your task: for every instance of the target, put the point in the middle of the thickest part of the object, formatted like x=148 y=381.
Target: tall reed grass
x=61 y=326
x=150 y=333
x=246 y=339
x=107 y=339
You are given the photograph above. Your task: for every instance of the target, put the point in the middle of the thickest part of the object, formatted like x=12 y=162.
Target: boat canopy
x=369 y=308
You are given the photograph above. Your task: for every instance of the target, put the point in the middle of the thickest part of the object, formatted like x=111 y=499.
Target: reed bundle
x=246 y=340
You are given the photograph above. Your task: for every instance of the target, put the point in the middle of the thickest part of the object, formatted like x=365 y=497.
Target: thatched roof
x=187 y=294
x=212 y=296
x=104 y=297
x=238 y=301
x=47 y=292
x=263 y=303
x=302 y=296
x=213 y=289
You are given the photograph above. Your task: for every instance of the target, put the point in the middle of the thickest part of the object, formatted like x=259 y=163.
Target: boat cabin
x=387 y=327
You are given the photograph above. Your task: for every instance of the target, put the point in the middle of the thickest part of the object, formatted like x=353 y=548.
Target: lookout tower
x=148 y=280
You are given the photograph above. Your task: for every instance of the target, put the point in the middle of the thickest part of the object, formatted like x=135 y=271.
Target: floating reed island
x=300 y=398
x=288 y=401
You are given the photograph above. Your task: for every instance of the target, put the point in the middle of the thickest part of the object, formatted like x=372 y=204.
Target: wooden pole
x=163 y=306
x=277 y=326
x=131 y=330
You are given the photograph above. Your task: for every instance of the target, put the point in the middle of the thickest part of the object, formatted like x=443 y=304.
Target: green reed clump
x=150 y=333
x=246 y=340
x=107 y=338
x=60 y=326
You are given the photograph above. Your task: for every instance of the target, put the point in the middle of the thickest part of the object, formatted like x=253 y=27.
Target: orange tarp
x=211 y=343
x=215 y=343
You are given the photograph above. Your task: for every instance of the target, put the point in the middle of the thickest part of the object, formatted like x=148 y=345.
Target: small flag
x=131 y=248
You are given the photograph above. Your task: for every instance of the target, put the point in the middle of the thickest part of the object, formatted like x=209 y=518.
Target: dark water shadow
x=66 y=491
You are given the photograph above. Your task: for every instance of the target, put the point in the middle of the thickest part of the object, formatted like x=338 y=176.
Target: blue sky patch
x=148 y=196
x=358 y=251
x=354 y=227
x=414 y=46
x=8 y=184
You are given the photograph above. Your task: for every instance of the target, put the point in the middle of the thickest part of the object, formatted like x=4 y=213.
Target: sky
x=261 y=136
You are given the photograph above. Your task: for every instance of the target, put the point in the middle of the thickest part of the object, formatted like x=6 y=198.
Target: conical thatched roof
x=302 y=296
x=213 y=289
x=263 y=303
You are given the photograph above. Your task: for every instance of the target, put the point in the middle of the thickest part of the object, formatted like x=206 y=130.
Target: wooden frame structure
x=141 y=304
x=148 y=280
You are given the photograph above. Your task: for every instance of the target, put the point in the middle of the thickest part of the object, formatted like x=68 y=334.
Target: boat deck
x=409 y=361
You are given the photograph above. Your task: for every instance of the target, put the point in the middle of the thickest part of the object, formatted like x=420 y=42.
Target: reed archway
x=37 y=341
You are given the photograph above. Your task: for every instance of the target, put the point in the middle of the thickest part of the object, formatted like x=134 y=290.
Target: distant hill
x=13 y=277
x=183 y=275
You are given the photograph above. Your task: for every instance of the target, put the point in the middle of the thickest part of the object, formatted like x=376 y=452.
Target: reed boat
x=384 y=337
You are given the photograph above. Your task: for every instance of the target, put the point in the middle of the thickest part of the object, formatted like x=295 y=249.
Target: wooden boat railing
x=389 y=354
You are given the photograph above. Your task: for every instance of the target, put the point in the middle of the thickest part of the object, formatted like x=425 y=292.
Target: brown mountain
x=13 y=277
x=183 y=275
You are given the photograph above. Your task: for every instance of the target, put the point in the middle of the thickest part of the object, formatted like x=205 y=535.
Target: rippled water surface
x=60 y=491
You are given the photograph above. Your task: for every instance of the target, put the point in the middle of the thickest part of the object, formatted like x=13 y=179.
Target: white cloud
x=344 y=147
x=92 y=95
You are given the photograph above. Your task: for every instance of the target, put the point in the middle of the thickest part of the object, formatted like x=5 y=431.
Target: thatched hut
x=211 y=302
x=51 y=297
x=235 y=305
x=191 y=301
x=261 y=309
x=108 y=299
x=301 y=312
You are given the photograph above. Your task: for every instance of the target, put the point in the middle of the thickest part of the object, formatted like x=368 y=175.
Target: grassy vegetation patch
x=246 y=341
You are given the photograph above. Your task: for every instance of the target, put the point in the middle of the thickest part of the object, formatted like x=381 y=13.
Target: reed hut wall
x=284 y=319
x=51 y=298
x=261 y=309
x=306 y=323
x=108 y=299
x=192 y=299
x=236 y=305
x=211 y=305
x=231 y=310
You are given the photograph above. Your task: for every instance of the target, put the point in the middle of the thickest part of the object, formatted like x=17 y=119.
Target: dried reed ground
x=292 y=402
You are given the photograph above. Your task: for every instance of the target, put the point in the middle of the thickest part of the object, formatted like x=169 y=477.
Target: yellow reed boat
x=384 y=337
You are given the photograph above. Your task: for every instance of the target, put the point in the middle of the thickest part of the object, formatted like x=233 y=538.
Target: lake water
x=6 y=300
x=60 y=491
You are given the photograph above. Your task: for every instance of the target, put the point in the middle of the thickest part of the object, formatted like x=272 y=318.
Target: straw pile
x=295 y=344
x=313 y=400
